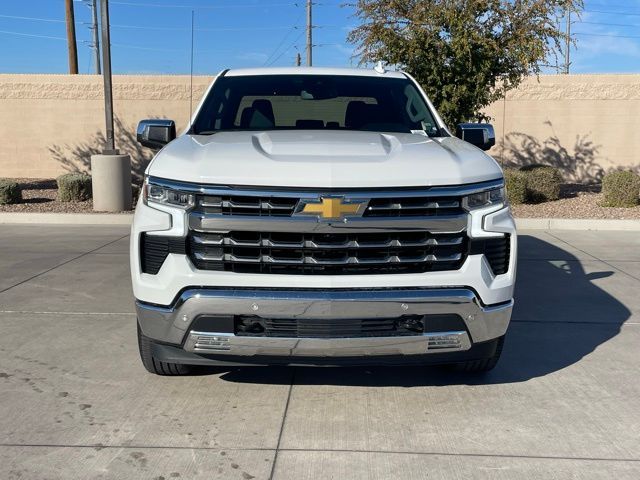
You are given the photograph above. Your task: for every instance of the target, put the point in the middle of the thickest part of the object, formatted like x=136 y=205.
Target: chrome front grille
x=273 y=231
x=322 y=253
x=275 y=206
x=246 y=205
x=412 y=206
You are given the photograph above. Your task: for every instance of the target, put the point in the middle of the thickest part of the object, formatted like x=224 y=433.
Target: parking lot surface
x=76 y=403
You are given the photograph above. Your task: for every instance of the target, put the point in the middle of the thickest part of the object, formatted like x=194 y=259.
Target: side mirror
x=156 y=133
x=479 y=134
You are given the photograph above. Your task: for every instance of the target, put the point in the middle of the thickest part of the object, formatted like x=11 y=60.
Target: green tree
x=466 y=54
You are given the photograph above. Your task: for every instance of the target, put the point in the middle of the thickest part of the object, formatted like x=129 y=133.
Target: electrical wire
x=144 y=27
x=606 y=35
x=608 y=24
x=198 y=7
x=284 y=39
x=32 y=35
x=633 y=14
x=287 y=49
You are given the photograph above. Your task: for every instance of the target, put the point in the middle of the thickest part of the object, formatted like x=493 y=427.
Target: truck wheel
x=155 y=366
x=484 y=364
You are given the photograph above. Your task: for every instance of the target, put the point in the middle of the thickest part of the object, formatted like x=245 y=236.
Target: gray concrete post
x=111 y=182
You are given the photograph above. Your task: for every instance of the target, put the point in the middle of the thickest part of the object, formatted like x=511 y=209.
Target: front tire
x=482 y=365
x=145 y=345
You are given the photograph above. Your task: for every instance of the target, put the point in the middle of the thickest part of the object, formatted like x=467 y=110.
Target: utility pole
x=110 y=148
x=110 y=171
x=298 y=59
x=96 y=41
x=71 y=37
x=567 y=49
x=309 y=34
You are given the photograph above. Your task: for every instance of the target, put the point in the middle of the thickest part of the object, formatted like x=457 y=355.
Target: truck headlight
x=166 y=196
x=484 y=199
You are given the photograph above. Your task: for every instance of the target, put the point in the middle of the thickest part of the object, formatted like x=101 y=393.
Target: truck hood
x=323 y=159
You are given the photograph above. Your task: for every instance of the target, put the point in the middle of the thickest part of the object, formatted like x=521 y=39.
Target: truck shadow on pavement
x=560 y=317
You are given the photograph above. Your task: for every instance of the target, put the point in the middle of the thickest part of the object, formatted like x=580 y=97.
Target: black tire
x=481 y=365
x=155 y=366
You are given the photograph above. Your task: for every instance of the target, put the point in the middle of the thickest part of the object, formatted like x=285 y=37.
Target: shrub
x=621 y=189
x=516 y=185
x=74 y=187
x=10 y=192
x=543 y=183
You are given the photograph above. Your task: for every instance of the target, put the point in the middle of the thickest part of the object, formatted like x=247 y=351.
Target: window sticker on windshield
x=419 y=132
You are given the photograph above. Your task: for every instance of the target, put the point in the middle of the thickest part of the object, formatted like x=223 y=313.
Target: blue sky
x=153 y=36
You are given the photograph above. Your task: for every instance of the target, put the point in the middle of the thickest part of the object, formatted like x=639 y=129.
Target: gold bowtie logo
x=331 y=208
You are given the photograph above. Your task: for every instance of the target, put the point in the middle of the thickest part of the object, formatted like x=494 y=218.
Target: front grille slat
x=279 y=206
x=321 y=253
x=246 y=205
x=409 y=206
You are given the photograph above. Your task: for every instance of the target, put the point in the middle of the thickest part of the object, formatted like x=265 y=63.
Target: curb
x=66 y=218
x=127 y=218
x=577 y=224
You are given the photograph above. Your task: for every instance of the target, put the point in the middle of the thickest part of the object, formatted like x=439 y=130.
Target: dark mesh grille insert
x=497 y=251
x=154 y=250
x=254 y=326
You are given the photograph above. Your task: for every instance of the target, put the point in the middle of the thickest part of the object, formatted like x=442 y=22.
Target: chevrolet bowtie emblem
x=331 y=207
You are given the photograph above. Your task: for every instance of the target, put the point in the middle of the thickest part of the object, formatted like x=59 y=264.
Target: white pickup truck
x=321 y=216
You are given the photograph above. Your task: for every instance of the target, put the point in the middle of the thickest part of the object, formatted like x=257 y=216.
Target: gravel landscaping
x=39 y=196
x=577 y=201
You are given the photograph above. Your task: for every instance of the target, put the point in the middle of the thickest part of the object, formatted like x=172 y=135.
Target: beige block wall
x=584 y=124
x=50 y=124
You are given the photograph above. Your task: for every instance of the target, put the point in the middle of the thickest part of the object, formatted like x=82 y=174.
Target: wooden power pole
x=567 y=50
x=71 y=37
x=96 y=37
x=110 y=148
x=309 y=34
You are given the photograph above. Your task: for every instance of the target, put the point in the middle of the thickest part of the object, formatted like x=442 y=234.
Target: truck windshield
x=314 y=102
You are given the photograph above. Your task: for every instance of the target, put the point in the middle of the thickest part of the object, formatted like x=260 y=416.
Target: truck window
x=339 y=102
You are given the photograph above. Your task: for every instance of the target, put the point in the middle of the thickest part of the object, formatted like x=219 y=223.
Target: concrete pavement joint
x=284 y=418
x=63 y=263
x=321 y=450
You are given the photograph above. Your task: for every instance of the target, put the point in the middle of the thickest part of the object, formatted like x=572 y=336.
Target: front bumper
x=172 y=325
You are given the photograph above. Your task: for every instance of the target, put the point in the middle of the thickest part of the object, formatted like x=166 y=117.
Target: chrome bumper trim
x=201 y=222
x=229 y=344
x=171 y=324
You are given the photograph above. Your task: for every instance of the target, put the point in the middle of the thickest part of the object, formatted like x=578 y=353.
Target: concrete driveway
x=75 y=402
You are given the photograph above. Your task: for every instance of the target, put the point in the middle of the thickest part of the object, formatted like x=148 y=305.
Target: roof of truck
x=359 y=72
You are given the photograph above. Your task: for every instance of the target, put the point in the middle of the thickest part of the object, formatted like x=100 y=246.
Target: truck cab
x=315 y=216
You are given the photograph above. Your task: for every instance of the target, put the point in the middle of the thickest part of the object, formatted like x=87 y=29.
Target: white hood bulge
x=323 y=159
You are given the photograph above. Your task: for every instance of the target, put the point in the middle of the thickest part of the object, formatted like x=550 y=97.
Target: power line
x=200 y=7
x=33 y=35
x=284 y=38
x=609 y=24
x=287 y=49
x=15 y=17
x=145 y=27
x=633 y=14
x=606 y=35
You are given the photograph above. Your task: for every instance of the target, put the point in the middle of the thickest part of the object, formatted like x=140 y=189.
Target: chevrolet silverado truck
x=315 y=216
